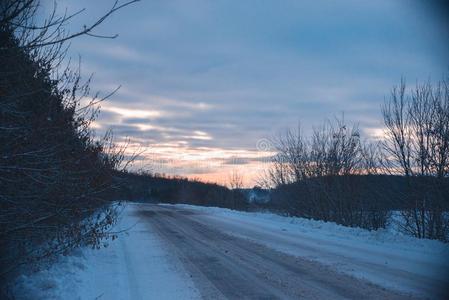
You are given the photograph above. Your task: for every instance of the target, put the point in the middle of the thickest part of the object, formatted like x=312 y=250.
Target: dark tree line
x=56 y=179
x=146 y=187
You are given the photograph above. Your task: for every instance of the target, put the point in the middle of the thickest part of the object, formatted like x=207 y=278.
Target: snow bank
x=328 y=230
x=135 y=266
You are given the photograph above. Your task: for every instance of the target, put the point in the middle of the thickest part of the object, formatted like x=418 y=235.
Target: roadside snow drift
x=134 y=266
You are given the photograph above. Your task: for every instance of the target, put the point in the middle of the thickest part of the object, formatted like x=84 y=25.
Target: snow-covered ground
x=385 y=257
x=134 y=266
x=139 y=264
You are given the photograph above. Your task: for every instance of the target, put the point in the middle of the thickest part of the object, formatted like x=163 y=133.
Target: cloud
x=135 y=113
x=212 y=78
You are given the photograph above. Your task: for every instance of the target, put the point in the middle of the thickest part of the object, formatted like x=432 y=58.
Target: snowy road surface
x=188 y=252
x=224 y=266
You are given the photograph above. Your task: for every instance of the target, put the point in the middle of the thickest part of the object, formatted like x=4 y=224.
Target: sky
x=206 y=84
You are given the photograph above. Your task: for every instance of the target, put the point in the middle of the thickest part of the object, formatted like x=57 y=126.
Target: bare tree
x=371 y=153
x=235 y=180
x=315 y=174
x=236 y=183
x=417 y=146
x=334 y=149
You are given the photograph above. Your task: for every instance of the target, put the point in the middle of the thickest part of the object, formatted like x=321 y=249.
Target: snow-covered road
x=391 y=260
x=230 y=267
x=189 y=252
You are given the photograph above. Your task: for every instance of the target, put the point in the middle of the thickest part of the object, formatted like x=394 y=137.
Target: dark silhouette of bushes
x=334 y=174
x=363 y=200
x=56 y=180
